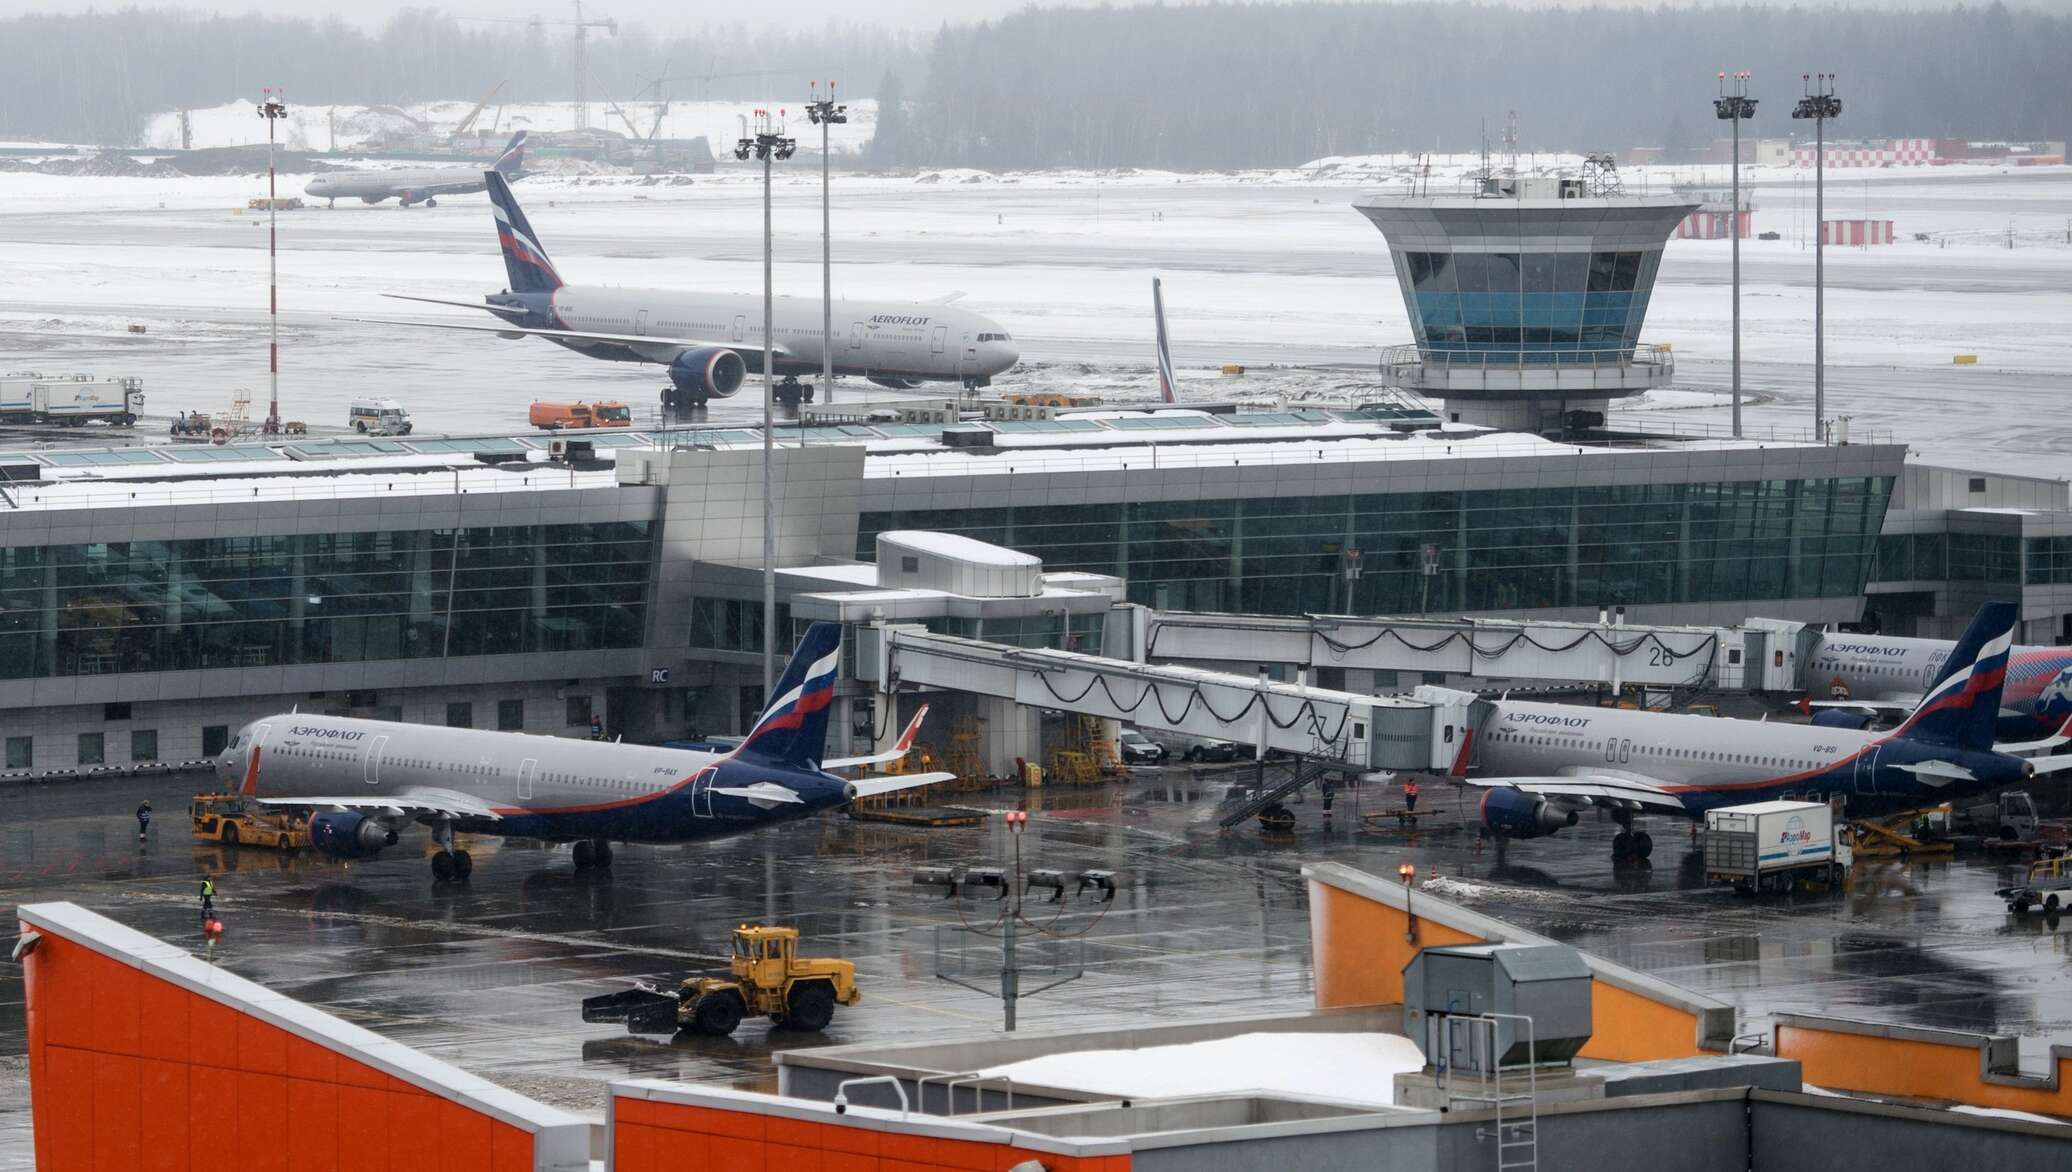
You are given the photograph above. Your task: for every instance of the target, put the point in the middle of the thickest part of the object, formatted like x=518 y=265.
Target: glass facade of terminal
x=1499 y=550
x=233 y=602
x=1955 y=557
x=1550 y=306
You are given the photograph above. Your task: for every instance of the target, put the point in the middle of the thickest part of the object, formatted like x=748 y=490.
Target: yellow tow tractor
x=224 y=818
x=767 y=977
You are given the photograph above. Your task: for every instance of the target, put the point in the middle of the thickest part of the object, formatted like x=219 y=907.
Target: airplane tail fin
x=512 y=161
x=525 y=262
x=1166 y=390
x=1962 y=709
x=792 y=730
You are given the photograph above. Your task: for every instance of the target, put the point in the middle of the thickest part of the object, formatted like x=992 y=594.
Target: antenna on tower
x=1601 y=173
x=1511 y=145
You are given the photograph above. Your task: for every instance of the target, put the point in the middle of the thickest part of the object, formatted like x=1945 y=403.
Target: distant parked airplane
x=422 y=186
x=712 y=341
x=1542 y=764
x=1856 y=677
x=367 y=780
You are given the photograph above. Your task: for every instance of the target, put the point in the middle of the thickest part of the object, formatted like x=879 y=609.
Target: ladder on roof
x=1517 y=1130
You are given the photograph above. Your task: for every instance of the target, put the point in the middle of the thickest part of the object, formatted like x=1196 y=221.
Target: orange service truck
x=579 y=416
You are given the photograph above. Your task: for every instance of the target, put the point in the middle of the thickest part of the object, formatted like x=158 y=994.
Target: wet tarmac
x=489 y=975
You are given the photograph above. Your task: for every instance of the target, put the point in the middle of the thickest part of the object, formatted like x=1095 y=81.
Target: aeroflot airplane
x=366 y=780
x=1542 y=764
x=411 y=187
x=711 y=341
x=1860 y=676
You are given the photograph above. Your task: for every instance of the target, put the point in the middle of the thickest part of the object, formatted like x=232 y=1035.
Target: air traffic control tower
x=1526 y=295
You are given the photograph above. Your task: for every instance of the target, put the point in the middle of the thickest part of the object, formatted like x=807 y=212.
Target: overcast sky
x=670 y=15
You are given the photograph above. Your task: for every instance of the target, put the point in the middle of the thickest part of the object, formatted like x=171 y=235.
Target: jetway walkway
x=1761 y=655
x=1424 y=732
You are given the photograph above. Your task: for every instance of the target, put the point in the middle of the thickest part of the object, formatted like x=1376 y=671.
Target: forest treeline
x=1216 y=85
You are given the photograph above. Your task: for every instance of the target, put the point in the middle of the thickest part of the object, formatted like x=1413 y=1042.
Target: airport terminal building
x=153 y=599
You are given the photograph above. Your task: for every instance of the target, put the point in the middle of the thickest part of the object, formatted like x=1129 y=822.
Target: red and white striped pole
x=272 y=109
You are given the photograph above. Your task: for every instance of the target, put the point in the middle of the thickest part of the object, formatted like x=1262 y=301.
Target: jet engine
x=1515 y=814
x=709 y=372
x=349 y=835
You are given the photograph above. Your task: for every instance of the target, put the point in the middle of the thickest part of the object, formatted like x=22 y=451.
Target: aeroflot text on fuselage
x=894 y=319
x=1860 y=649
x=1543 y=718
x=336 y=734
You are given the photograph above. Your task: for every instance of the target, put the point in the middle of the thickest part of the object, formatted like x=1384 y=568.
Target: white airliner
x=1542 y=764
x=364 y=781
x=1856 y=677
x=420 y=186
x=712 y=341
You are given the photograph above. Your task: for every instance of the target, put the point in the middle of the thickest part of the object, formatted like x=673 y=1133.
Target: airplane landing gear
x=593 y=853
x=791 y=392
x=431 y=203
x=1629 y=846
x=449 y=865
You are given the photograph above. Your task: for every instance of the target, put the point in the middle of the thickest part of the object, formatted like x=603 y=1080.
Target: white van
x=378 y=417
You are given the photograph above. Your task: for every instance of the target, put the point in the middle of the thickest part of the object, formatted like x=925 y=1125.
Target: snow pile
x=1356 y=1068
x=2006 y=1113
x=1461 y=889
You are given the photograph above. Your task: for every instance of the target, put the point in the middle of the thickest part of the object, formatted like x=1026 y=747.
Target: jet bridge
x=1424 y=733
x=1761 y=655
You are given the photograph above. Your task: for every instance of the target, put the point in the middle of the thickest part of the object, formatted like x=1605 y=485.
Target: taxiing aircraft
x=1862 y=676
x=712 y=341
x=1540 y=765
x=421 y=186
x=367 y=780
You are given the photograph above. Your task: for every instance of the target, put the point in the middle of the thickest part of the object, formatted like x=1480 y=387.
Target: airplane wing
x=481 y=305
x=415 y=801
x=1597 y=788
x=763 y=794
x=2052 y=765
x=2063 y=735
x=871 y=787
x=648 y=346
x=899 y=748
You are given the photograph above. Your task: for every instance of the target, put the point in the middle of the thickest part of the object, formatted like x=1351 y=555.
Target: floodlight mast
x=273 y=109
x=1819 y=104
x=766 y=144
x=824 y=113
x=1734 y=105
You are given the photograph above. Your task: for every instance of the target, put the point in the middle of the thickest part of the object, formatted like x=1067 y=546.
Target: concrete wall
x=1795 y=1133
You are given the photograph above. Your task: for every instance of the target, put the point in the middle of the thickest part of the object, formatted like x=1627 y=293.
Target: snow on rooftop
x=1349 y=1067
x=952 y=545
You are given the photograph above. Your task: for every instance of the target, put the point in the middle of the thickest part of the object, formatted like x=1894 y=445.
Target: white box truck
x=70 y=400
x=1769 y=846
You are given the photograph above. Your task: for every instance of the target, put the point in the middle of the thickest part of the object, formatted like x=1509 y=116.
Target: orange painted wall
x=1358 y=951
x=1912 y=1068
x=128 y=1071
x=674 y=1137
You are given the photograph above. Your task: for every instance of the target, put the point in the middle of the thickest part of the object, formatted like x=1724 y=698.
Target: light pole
x=824 y=113
x=1819 y=104
x=1734 y=104
x=767 y=143
x=273 y=110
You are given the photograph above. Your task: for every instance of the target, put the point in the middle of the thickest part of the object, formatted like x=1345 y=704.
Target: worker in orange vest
x=1410 y=795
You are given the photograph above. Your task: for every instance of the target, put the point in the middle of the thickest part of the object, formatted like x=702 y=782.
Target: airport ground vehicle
x=226 y=819
x=378 y=417
x=1199 y=749
x=70 y=399
x=2046 y=885
x=579 y=416
x=1138 y=749
x=767 y=977
x=1769 y=846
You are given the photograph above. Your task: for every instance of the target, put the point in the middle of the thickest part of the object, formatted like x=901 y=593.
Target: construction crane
x=582 y=26
x=654 y=86
x=468 y=123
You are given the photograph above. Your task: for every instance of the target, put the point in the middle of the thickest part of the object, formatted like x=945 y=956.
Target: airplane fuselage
x=2038 y=693
x=551 y=788
x=1706 y=761
x=409 y=186
x=872 y=339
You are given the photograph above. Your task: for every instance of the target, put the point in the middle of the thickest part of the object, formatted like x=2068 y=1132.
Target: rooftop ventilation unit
x=1500 y=983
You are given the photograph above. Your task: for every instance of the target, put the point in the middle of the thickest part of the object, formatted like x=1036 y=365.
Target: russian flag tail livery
x=1166 y=390
x=793 y=729
x=1963 y=708
x=512 y=161
x=525 y=262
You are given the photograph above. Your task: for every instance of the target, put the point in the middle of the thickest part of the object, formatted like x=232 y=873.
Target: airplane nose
x=1005 y=357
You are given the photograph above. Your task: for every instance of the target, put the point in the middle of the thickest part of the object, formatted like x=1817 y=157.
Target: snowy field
x=1349 y=1067
x=1272 y=271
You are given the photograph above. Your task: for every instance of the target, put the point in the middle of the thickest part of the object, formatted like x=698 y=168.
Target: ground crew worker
x=208 y=895
x=1410 y=795
x=143 y=820
x=596 y=727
